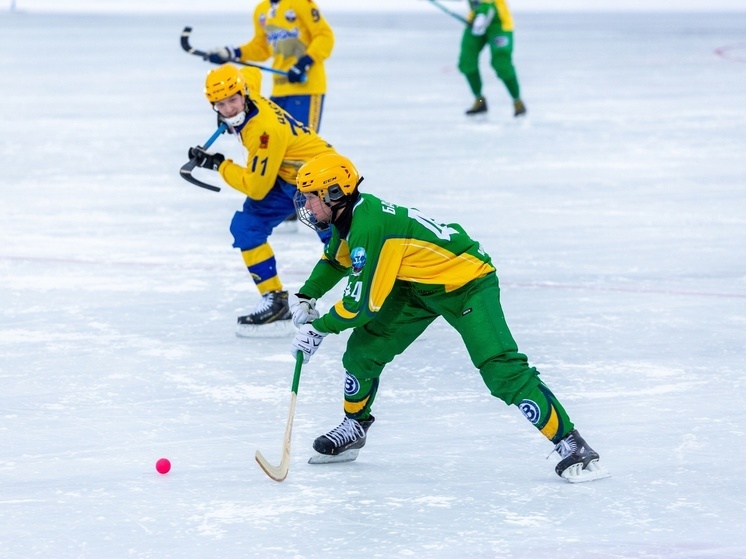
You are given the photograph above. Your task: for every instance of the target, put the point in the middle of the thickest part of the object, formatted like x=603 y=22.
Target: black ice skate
x=343 y=443
x=270 y=318
x=480 y=106
x=579 y=461
x=518 y=108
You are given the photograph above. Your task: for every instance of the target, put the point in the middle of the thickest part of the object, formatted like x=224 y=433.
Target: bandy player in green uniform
x=490 y=23
x=403 y=270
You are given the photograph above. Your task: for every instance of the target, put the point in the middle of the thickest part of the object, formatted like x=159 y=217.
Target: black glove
x=297 y=74
x=207 y=160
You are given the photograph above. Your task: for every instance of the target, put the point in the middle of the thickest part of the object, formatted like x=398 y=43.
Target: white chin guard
x=235 y=121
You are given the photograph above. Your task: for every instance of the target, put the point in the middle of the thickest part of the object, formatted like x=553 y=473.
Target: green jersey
x=388 y=243
x=497 y=12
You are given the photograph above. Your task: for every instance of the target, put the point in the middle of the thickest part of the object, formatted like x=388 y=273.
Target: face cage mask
x=305 y=216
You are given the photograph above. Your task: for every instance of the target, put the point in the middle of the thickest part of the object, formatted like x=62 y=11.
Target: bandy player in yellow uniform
x=298 y=39
x=277 y=146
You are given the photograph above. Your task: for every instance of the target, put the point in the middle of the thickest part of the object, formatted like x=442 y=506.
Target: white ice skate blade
x=577 y=474
x=346 y=456
x=277 y=329
x=286 y=227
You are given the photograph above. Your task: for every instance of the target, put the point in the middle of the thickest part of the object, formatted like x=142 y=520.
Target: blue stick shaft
x=215 y=136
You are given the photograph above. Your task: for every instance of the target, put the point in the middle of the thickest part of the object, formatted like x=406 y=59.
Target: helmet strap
x=342 y=213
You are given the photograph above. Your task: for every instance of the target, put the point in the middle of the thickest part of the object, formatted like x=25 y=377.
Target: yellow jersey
x=286 y=31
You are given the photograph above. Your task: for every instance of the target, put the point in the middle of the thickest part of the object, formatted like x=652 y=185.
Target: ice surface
x=616 y=215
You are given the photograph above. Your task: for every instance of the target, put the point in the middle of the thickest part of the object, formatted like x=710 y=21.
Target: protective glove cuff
x=303 y=309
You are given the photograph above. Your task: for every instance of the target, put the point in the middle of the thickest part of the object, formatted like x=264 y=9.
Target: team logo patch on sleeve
x=352 y=385
x=531 y=410
x=358 y=258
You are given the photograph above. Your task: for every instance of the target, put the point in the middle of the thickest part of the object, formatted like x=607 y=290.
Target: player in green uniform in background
x=490 y=24
x=403 y=270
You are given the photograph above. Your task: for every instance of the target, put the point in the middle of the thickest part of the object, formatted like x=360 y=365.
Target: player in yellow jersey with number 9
x=298 y=39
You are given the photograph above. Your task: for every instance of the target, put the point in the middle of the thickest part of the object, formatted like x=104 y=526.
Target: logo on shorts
x=501 y=41
x=531 y=410
x=358 y=258
x=352 y=385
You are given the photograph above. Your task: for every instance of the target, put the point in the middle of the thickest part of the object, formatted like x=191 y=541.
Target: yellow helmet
x=330 y=176
x=224 y=81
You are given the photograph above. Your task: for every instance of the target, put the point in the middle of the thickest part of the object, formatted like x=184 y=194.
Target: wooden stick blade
x=277 y=473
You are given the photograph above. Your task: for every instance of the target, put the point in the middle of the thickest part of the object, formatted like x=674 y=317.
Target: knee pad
x=247 y=233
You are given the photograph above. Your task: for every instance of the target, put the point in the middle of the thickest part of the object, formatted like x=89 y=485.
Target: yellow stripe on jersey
x=425 y=262
x=343 y=255
x=340 y=309
x=506 y=20
x=419 y=261
x=387 y=272
x=503 y=14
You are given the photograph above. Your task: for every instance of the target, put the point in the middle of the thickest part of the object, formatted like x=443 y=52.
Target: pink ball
x=163 y=466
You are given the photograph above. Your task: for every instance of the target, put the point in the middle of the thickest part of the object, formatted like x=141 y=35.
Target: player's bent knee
x=245 y=234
